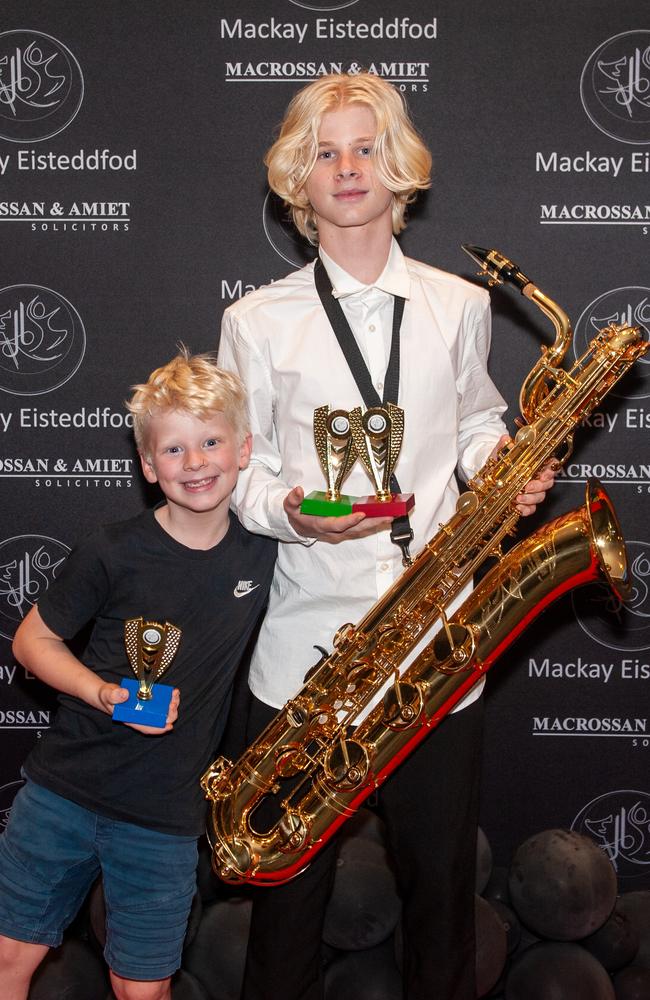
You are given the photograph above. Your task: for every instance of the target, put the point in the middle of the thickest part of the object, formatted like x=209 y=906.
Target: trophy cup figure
x=336 y=454
x=378 y=434
x=150 y=648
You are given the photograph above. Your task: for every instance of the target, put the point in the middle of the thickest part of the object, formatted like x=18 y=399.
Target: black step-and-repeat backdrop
x=133 y=210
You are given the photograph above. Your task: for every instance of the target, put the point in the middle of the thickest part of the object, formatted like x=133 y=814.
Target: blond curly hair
x=192 y=384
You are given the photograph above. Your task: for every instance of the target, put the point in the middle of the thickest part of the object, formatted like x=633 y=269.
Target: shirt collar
x=394 y=279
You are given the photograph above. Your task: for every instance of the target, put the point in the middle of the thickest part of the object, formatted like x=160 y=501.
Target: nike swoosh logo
x=245 y=593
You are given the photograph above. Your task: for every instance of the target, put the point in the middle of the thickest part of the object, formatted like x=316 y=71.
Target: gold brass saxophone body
x=310 y=760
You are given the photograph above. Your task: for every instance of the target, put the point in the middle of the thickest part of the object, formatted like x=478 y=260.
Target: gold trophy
x=336 y=454
x=378 y=434
x=150 y=648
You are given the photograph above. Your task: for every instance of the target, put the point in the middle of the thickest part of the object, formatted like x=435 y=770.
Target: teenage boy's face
x=195 y=462
x=343 y=187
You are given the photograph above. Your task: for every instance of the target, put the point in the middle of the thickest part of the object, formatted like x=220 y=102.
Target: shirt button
x=372 y=327
x=384 y=567
x=380 y=386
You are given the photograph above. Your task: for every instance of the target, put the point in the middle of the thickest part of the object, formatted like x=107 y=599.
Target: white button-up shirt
x=279 y=340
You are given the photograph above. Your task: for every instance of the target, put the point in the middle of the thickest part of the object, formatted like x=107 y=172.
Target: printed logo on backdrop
x=73 y=473
x=25 y=718
x=627 y=306
x=42 y=345
x=615 y=87
x=41 y=86
x=282 y=234
x=42 y=340
x=619 y=625
x=41 y=91
x=615 y=94
x=634 y=728
x=323 y=4
x=619 y=822
x=409 y=76
x=8 y=793
x=28 y=565
x=69 y=216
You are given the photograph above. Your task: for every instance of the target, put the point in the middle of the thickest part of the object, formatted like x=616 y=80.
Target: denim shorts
x=51 y=853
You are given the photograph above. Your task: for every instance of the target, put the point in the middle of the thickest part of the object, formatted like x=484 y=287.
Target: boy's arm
x=260 y=490
x=480 y=405
x=46 y=655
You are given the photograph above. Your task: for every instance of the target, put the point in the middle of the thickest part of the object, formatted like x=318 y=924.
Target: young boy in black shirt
x=120 y=798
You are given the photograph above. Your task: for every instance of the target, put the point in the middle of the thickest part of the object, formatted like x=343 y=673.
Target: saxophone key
x=346 y=765
x=402 y=705
x=453 y=649
x=297 y=713
x=292 y=831
x=346 y=634
x=216 y=781
x=526 y=435
x=467 y=503
x=362 y=672
x=232 y=860
x=292 y=760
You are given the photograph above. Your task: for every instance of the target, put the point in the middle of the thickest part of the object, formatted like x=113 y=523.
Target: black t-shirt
x=215 y=597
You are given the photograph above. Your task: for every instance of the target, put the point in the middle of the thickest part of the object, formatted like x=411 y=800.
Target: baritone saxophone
x=310 y=761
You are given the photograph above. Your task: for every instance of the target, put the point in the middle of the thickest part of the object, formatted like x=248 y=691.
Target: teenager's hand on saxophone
x=535 y=490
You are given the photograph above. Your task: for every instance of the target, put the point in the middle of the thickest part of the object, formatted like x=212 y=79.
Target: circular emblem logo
x=42 y=340
x=338 y=425
x=620 y=823
x=28 y=565
x=615 y=87
x=616 y=624
x=7 y=795
x=629 y=306
x=282 y=235
x=41 y=86
x=323 y=4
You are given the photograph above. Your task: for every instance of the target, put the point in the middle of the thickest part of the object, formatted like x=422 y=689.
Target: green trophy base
x=398 y=505
x=317 y=503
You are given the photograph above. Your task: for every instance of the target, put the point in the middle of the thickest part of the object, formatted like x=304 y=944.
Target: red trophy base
x=398 y=505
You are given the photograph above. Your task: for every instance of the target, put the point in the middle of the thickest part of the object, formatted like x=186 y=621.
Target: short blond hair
x=402 y=161
x=191 y=384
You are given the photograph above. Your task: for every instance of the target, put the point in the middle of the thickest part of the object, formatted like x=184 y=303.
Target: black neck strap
x=401 y=532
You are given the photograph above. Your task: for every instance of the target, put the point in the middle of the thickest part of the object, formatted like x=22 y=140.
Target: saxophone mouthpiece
x=497 y=267
x=477 y=254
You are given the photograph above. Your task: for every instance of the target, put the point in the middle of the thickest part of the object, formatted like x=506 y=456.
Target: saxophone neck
x=553 y=355
x=500 y=269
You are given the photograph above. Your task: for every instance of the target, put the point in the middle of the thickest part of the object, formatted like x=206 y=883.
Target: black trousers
x=430 y=806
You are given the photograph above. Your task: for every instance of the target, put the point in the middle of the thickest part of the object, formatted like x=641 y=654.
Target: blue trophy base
x=145 y=713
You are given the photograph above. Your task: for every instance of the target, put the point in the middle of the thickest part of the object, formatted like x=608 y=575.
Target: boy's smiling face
x=195 y=462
